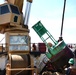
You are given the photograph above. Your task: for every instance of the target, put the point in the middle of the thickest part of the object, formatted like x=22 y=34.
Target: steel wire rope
x=22 y=70
x=2 y=39
x=62 y=19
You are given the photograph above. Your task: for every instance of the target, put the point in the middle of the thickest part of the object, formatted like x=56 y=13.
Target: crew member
x=71 y=70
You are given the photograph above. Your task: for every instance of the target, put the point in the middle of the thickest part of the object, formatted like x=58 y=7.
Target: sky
x=49 y=12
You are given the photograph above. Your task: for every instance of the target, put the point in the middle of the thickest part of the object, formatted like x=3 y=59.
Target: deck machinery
x=58 y=53
x=17 y=37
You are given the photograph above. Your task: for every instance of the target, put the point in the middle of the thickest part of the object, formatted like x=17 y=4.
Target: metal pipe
x=62 y=19
x=27 y=13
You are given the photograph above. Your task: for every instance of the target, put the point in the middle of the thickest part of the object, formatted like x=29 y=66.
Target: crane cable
x=2 y=39
x=62 y=20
